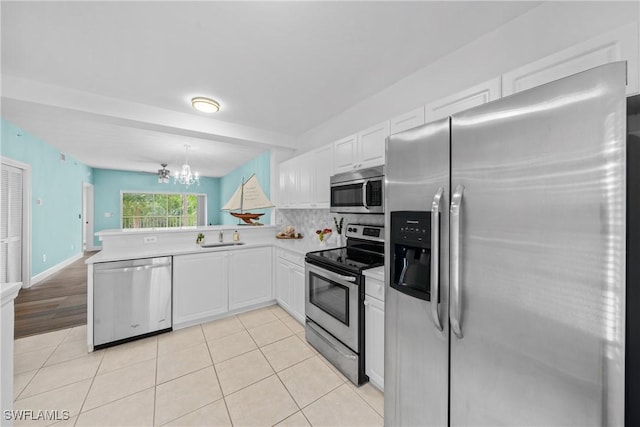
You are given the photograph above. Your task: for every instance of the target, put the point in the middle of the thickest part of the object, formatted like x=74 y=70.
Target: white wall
x=542 y=31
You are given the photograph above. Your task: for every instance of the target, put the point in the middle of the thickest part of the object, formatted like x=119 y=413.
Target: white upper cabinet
x=618 y=45
x=304 y=166
x=463 y=100
x=304 y=180
x=407 y=120
x=345 y=154
x=371 y=145
x=362 y=150
x=322 y=160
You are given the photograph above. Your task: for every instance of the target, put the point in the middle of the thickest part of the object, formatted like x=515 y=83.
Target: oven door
x=332 y=302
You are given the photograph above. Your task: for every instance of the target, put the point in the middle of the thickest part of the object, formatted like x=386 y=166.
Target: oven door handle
x=331 y=274
x=364 y=194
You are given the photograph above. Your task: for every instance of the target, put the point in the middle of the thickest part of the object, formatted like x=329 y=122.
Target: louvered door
x=11 y=224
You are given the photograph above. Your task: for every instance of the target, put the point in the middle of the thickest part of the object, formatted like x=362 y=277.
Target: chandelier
x=185 y=176
x=164 y=174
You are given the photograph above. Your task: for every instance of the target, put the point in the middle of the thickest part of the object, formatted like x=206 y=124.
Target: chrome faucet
x=221 y=236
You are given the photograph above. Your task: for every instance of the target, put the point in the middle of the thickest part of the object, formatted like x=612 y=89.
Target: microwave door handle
x=435 y=258
x=364 y=194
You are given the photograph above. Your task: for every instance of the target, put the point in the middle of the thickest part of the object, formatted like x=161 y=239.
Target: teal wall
x=56 y=229
x=229 y=183
x=108 y=184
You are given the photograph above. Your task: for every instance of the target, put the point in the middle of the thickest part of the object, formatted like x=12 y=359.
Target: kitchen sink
x=221 y=244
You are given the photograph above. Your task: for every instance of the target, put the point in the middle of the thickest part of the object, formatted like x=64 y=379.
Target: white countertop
x=9 y=291
x=153 y=252
x=375 y=273
x=301 y=246
x=304 y=245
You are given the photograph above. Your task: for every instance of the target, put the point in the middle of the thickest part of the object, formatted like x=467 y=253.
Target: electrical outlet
x=150 y=239
x=44 y=257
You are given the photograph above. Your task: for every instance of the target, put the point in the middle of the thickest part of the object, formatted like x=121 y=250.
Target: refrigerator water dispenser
x=411 y=253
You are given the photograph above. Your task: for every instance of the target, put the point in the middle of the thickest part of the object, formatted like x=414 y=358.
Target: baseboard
x=50 y=271
x=93 y=248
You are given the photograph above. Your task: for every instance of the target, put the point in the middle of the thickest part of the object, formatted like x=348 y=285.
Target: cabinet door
x=292 y=184
x=250 y=279
x=322 y=163
x=374 y=341
x=407 y=121
x=345 y=154
x=304 y=166
x=199 y=286
x=283 y=287
x=297 y=291
x=469 y=98
x=371 y=144
x=617 y=45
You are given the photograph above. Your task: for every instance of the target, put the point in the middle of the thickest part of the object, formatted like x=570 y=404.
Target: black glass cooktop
x=349 y=258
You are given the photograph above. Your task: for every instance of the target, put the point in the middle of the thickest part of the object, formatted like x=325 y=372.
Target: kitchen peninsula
x=208 y=281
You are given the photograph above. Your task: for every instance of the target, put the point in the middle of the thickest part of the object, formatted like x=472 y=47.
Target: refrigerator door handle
x=456 y=298
x=435 y=258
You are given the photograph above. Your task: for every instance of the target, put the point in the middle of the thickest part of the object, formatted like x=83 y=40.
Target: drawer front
x=374 y=288
x=292 y=257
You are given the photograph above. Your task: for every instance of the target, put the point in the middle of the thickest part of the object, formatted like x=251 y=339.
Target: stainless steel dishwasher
x=131 y=299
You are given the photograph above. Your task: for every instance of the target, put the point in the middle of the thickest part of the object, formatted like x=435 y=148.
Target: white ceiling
x=109 y=82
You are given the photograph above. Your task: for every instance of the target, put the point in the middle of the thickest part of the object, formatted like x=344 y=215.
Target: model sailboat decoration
x=249 y=195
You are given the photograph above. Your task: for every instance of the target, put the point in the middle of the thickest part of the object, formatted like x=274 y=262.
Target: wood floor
x=56 y=303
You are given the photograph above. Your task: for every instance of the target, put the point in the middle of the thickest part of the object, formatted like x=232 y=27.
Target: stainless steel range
x=334 y=299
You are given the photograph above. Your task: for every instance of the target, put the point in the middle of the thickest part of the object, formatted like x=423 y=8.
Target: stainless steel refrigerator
x=505 y=260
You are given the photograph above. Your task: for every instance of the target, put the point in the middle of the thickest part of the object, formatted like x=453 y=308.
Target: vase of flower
x=340 y=237
x=323 y=235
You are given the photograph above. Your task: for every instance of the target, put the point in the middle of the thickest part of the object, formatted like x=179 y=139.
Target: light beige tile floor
x=253 y=369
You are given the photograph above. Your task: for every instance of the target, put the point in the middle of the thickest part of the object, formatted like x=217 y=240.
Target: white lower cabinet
x=290 y=285
x=250 y=272
x=207 y=285
x=374 y=335
x=199 y=286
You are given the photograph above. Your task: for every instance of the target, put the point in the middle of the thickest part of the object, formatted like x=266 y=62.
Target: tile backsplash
x=307 y=221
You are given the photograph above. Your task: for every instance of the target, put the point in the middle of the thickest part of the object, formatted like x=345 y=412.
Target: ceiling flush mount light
x=185 y=176
x=164 y=174
x=206 y=105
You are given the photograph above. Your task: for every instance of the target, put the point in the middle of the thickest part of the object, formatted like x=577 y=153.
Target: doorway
x=87 y=217
x=15 y=244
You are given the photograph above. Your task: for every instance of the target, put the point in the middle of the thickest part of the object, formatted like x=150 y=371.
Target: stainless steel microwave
x=359 y=191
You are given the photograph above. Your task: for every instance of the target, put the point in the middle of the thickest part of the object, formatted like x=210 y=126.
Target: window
x=163 y=210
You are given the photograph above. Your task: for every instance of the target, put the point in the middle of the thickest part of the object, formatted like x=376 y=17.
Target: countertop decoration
x=200 y=239
x=322 y=234
x=339 y=225
x=289 y=233
x=249 y=195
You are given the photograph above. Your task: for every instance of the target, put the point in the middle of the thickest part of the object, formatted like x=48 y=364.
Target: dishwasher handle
x=128 y=269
